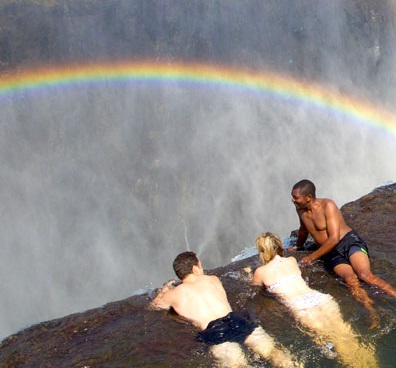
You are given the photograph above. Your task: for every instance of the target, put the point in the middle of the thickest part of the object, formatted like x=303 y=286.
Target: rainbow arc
x=278 y=85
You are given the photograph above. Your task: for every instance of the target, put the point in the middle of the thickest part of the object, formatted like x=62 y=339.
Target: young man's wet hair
x=306 y=187
x=184 y=263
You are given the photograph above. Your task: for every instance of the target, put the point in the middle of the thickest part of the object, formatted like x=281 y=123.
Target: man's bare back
x=200 y=298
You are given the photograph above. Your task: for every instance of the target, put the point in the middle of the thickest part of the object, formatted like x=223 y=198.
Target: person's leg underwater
x=360 y=263
x=229 y=354
x=262 y=343
x=346 y=272
x=328 y=326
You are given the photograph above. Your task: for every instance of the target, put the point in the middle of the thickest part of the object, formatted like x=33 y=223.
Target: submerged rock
x=126 y=334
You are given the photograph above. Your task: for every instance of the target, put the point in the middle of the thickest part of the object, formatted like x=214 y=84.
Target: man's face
x=300 y=201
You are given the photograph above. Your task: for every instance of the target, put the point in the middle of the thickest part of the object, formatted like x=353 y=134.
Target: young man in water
x=202 y=299
x=340 y=247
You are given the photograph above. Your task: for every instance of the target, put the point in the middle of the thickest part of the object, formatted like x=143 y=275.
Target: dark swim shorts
x=351 y=243
x=234 y=327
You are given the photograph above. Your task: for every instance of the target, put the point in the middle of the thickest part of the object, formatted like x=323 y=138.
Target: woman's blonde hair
x=268 y=246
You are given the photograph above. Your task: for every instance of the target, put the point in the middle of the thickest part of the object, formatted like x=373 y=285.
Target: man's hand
x=295 y=249
x=157 y=303
x=171 y=284
x=306 y=261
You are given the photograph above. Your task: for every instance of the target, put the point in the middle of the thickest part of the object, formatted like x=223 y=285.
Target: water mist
x=104 y=184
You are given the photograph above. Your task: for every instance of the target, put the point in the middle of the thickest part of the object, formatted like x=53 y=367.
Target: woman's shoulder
x=293 y=263
x=259 y=275
x=290 y=259
x=260 y=269
x=290 y=262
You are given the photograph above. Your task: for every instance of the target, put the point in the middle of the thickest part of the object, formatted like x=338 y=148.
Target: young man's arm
x=164 y=298
x=302 y=236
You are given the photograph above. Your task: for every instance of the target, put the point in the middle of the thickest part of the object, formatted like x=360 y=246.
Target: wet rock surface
x=374 y=216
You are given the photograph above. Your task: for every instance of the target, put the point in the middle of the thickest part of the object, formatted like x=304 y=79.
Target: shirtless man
x=340 y=247
x=202 y=299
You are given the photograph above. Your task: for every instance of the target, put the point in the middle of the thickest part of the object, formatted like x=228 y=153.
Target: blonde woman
x=319 y=313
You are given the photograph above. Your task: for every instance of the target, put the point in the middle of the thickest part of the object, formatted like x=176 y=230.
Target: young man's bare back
x=200 y=298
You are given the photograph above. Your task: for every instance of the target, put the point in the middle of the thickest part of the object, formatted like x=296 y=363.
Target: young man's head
x=303 y=193
x=306 y=187
x=184 y=263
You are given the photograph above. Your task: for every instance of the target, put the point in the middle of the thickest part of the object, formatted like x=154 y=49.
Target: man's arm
x=164 y=299
x=302 y=236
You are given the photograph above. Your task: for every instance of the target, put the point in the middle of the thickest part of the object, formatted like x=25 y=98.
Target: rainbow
x=278 y=85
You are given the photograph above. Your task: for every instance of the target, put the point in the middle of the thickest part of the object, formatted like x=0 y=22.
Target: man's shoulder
x=329 y=204
x=326 y=202
x=211 y=278
x=202 y=279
